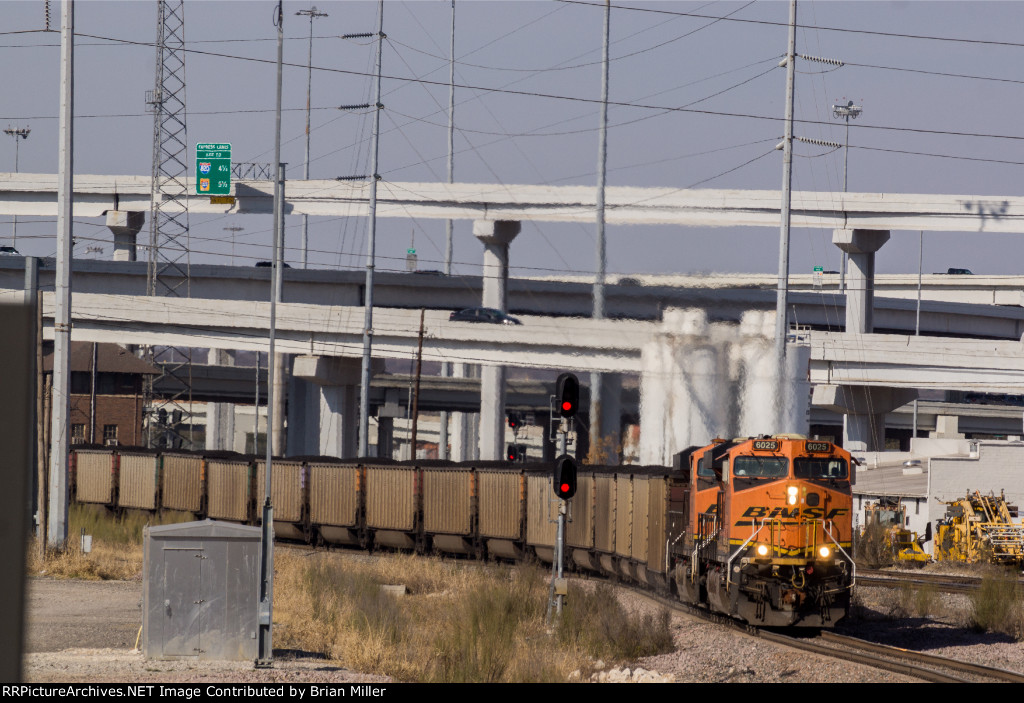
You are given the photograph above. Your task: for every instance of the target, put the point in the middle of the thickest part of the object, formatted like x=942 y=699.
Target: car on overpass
x=490 y=315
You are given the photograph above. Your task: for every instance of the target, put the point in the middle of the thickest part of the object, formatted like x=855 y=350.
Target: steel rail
x=928 y=660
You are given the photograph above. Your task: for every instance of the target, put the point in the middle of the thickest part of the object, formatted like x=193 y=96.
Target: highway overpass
x=25 y=194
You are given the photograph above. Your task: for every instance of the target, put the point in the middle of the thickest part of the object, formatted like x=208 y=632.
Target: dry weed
x=457 y=623
x=116 y=548
x=997 y=605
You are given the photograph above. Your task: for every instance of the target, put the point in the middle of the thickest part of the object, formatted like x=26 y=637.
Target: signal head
x=512 y=453
x=565 y=477
x=567 y=395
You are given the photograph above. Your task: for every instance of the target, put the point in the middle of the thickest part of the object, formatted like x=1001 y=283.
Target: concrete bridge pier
x=863 y=407
x=763 y=409
x=126 y=226
x=606 y=417
x=682 y=393
x=861 y=245
x=496 y=235
x=324 y=419
x=220 y=417
x=704 y=380
x=464 y=438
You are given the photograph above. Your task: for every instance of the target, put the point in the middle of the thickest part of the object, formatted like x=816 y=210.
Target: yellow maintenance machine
x=891 y=514
x=980 y=528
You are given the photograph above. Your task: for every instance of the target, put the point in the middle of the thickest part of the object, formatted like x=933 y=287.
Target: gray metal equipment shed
x=201 y=591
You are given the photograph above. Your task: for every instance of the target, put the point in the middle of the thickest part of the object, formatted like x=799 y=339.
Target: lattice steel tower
x=168 y=221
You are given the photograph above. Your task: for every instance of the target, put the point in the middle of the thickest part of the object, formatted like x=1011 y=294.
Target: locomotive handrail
x=697 y=550
x=699 y=546
x=826 y=528
x=728 y=564
x=668 y=547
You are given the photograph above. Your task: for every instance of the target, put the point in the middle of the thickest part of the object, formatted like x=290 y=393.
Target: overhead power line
x=570 y=98
x=845 y=30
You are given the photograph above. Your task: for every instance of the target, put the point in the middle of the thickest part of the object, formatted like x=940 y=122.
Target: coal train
x=755 y=528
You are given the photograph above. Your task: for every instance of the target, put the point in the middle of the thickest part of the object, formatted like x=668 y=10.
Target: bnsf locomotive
x=767 y=533
x=758 y=528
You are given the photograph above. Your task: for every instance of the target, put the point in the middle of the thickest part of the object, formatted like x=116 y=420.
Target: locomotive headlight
x=762 y=550
x=824 y=552
x=791 y=494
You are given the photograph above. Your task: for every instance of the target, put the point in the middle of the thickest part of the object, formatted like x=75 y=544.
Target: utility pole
x=234 y=229
x=787 y=185
x=312 y=13
x=597 y=379
x=917 y=316
x=847 y=112
x=416 y=391
x=446 y=366
x=265 y=655
x=371 y=254
x=57 y=518
x=18 y=134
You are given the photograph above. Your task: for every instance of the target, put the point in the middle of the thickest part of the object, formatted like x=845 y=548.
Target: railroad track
x=925 y=667
x=945 y=583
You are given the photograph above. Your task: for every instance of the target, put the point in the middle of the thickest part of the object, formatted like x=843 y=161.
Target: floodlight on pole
x=312 y=13
x=846 y=112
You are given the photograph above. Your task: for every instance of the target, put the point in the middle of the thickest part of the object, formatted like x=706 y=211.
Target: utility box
x=200 y=591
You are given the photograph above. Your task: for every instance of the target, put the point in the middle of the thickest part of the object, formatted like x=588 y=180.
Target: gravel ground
x=101 y=620
x=85 y=632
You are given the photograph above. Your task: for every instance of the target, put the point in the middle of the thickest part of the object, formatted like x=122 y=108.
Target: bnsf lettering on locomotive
x=760 y=511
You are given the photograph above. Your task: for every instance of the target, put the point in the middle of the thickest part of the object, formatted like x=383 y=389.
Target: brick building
x=106 y=393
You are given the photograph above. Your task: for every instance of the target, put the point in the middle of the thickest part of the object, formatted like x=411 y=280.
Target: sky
x=697 y=101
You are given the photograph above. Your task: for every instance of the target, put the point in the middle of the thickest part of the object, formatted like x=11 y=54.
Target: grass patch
x=595 y=621
x=996 y=606
x=460 y=624
x=499 y=635
x=926 y=601
x=116 y=546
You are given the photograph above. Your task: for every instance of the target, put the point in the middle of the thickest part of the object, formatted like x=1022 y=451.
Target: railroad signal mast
x=515 y=452
x=566 y=404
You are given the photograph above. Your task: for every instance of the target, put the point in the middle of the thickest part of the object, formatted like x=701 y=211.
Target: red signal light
x=564 y=479
x=567 y=393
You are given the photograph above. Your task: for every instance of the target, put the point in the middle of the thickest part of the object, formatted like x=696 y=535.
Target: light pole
x=312 y=14
x=234 y=229
x=18 y=133
x=848 y=111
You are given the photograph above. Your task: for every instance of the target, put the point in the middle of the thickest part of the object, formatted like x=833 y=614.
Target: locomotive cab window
x=760 y=466
x=825 y=467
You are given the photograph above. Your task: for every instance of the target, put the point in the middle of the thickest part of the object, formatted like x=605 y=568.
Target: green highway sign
x=213 y=169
